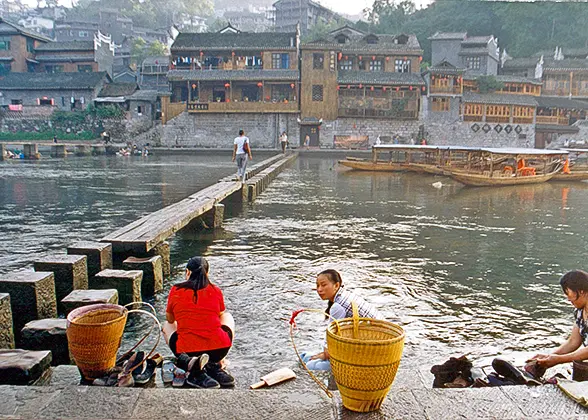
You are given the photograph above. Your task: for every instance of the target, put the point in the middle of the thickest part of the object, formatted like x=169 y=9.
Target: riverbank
x=410 y=398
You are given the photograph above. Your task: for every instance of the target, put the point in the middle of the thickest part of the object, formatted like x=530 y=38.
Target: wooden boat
x=498 y=167
x=578 y=166
x=401 y=158
x=368 y=165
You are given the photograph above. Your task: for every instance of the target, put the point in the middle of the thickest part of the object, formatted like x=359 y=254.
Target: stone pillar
x=6 y=331
x=152 y=268
x=214 y=217
x=252 y=192
x=23 y=367
x=48 y=334
x=127 y=283
x=71 y=273
x=2 y=151
x=32 y=296
x=83 y=150
x=31 y=151
x=99 y=255
x=58 y=151
x=162 y=249
x=79 y=298
x=98 y=150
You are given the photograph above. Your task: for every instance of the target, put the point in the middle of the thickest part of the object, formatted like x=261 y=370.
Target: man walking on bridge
x=241 y=151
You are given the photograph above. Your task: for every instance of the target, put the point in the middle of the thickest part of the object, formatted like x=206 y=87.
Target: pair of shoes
x=197 y=377
x=167 y=371
x=216 y=372
x=535 y=369
x=142 y=376
x=510 y=371
x=134 y=362
x=496 y=380
x=179 y=377
x=109 y=379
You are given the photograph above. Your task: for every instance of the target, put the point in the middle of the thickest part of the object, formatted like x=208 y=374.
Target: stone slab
x=152 y=268
x=127 y=283
x=79 y=298
x=543 y=402
x=48 y=334
x=99 y=255
x=32 y=296
x=22 y=367
x=163 y=249
x=25 y=402
x=6 y=331
x=70 y=271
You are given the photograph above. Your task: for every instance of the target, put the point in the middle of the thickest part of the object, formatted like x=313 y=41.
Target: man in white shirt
x=241 y=150
x=284 y=141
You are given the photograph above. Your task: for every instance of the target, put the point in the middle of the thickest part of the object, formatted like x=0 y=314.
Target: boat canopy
x=523 y=151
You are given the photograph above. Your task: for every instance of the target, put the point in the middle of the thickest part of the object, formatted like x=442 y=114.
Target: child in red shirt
x=198 y=329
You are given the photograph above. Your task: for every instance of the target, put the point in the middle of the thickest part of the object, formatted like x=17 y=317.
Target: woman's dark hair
x=241 y=132
x=334 y=277
x=575 y=281
x=198 y=267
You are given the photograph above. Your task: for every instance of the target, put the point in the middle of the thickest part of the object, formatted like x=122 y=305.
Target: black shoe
x=510 y=371
x=201 y=380
x=189 y=364
x=216 y=372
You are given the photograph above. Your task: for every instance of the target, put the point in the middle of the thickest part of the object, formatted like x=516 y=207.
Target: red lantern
x=338 y=87
x=360 y=57
x=360 y=85
x=384 y=88
x=405 y=58
x=227 y=85
x=259 y=84
x=346 y=57
x=432 y=77
x=339 y=56
x=228 y=100
x=267 y=98
x=201 y=53
x=373 y=57
x=423 y=88
x=233 y=54
x=397 y=88
x=372 y=88
x=348 y=86
x=410 y=88
x=387 y=58
x=292 y=85
x=194 y=85
x=420 y=59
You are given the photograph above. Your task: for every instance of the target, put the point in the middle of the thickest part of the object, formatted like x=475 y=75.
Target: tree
x=488 y=84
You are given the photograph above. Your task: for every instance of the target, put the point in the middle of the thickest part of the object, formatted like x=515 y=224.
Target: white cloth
x=240 y=141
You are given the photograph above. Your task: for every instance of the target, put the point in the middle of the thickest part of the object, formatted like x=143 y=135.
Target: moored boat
x=577 y=169
x=498 y=167
x=400 y=158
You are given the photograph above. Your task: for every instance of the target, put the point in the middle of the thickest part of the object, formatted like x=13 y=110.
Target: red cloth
x=199 y=326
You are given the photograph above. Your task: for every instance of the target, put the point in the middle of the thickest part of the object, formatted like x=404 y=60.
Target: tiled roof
x=471 y=40
x=67 y=46
x=523 y=62
x=499 y=99
x=384 y=43
x=231 y=41
x=474 y=51
x=8 y=28
x=379 y=78
x=237 y=75
x=567 y=64
x=448 y=35
x=144 y=95
x=63 y=59
x=56 y=81
x=518 y=79
x=561 y=129
x=118 y=89
x=553 y=102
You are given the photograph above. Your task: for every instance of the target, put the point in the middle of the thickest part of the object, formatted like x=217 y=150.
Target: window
x=16 y=102
x=402 y=66
x=341 y=39
x=317 y=93
x=473 y=63
x=54 y=69
x=440 y=105
x=5 y=69
x=84 y=34
x=376 y=65
x=4 y=42
x=318 y=61
x=85 y=68
x=139 y=110
x=346 y=65
x=45 y=102
x=372 y=39
x=280 y=61
x=30 y=45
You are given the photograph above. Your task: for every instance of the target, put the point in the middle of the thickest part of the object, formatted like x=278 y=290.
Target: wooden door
x=313 y=132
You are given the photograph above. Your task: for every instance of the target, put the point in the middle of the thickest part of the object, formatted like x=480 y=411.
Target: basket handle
x=355 y=320
x=145 y=336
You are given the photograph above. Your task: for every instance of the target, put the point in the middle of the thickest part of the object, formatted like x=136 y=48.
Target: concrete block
x=22 y=367
x=31 y=151
x=214 y=218
x=79 y=298
x=32 y=296
x=48 y=334
x=58 y=151
x=2 y=151
x=127 y=283
x=70 y=271
x=152 y=268
x=83 y=150
x=99 y=255
x=163 y=250
x=6 y=331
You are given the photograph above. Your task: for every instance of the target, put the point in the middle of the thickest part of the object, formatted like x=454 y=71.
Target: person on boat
x=198 y=329
x=329 y=286
x=575 y=286
x=378 y=141
x=423 y=142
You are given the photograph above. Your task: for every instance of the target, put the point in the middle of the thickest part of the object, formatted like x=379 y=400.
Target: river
x=463 y=270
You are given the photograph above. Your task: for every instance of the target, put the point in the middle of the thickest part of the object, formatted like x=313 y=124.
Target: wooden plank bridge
x=143 y=235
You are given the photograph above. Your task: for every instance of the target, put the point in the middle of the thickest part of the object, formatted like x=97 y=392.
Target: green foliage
x=488 y=84
x=46 y=135
x=321 y=29
x=64 y=118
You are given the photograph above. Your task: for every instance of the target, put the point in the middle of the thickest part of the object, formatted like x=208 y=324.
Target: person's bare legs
x=227 y=319
x=168 y=329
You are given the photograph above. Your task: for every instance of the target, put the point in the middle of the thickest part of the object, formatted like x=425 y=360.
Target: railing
x=378 y=113
x=477 y=118
x=522 y=120
x=171 y=111
x=243 y=107
x=497 y=119
x=555 y=120
x=579 y=92
x=445 y=89
x=556 y=92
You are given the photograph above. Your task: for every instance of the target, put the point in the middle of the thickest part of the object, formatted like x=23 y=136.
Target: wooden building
x=17 y=48
x=567 y=77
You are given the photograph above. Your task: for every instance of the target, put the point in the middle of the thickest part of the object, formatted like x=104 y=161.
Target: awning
x=111 y=99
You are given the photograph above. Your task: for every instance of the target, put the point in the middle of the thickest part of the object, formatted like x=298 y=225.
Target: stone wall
x=460 y=133
x=219 y=130
x=371 y=127
x=579 y=139
x=117 y=128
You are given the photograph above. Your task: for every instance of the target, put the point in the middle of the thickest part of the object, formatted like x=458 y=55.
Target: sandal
x=167 y=371
x=109 y=379
x=179 y=378
x=141 y=378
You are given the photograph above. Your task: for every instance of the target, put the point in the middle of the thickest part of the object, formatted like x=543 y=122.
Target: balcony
x=243 y=107
x=552 y=120
x=449 y=90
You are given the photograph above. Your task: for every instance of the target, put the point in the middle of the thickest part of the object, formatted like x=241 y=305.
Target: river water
x=463 y=270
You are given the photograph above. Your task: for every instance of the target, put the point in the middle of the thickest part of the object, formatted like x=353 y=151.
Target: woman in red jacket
x=198 y=330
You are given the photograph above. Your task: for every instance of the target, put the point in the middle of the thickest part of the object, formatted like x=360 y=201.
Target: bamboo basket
x=365 y=354
x=94 y=335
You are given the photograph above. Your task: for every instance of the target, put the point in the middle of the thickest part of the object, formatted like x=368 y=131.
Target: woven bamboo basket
x=365 y=354
x=94 y=335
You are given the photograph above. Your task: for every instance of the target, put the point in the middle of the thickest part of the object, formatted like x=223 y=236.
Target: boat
x=400 y=158
x=578 y=166
x=510 y=166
